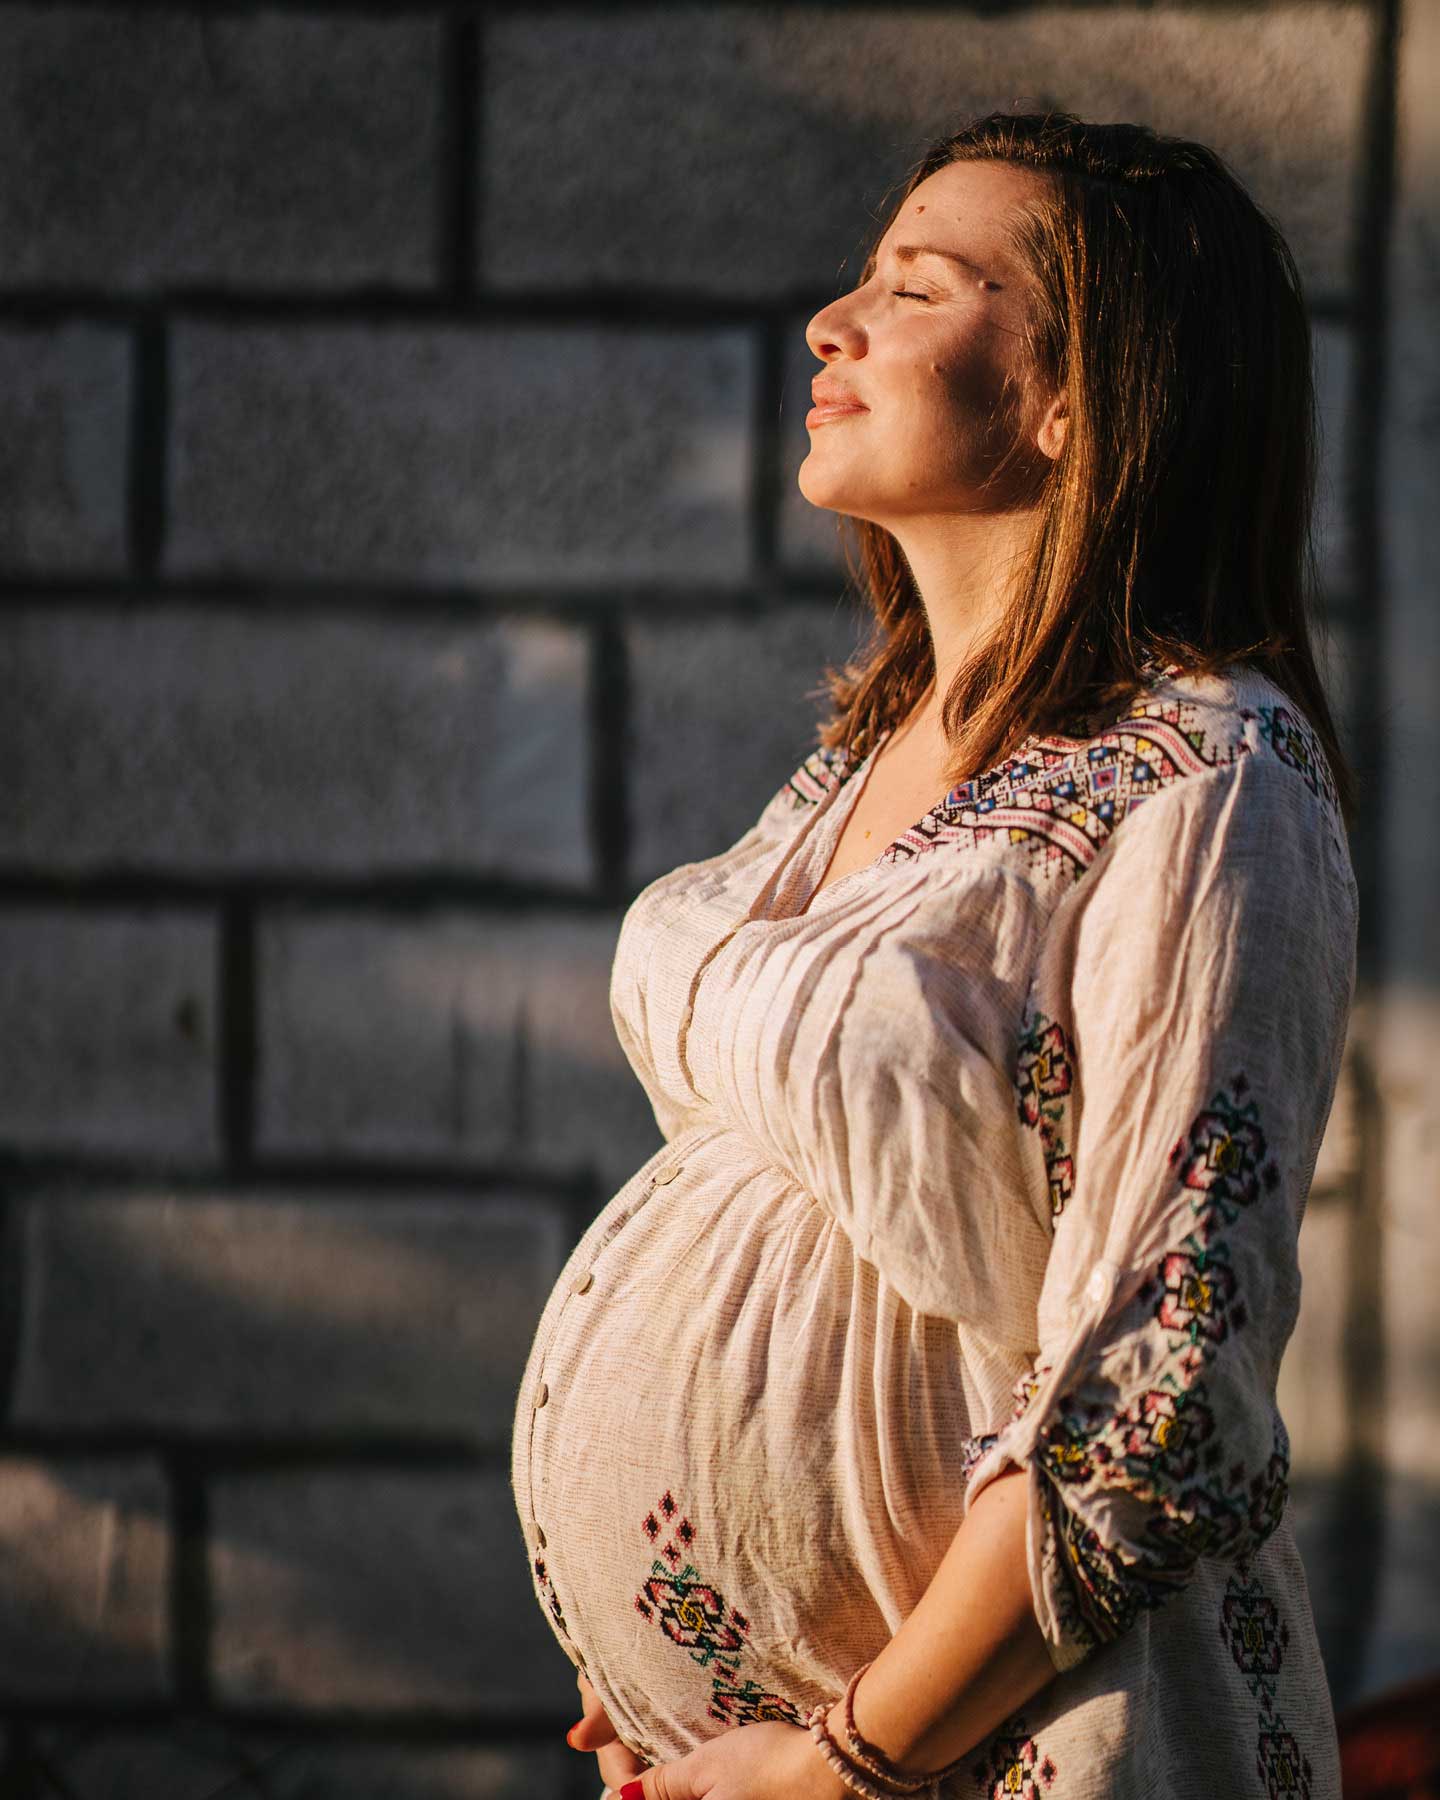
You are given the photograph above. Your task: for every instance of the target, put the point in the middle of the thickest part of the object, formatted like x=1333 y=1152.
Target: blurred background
x=403 y=564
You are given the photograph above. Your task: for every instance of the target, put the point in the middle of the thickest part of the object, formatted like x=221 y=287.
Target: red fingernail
x=632 y=1790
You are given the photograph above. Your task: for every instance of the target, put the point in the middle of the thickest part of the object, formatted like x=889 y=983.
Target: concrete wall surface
x=403 y=564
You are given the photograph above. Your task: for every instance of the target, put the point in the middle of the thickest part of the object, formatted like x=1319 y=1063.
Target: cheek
x=972 y=388
x=972 y=417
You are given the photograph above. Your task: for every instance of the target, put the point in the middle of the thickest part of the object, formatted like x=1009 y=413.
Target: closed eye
x=905 y=294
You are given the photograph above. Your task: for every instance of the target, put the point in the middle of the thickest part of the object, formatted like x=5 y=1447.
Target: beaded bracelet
x=854 y=1778
x=866 y=1763
x=872 y=1758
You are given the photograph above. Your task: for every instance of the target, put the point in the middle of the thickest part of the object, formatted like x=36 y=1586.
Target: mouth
x=830 y=410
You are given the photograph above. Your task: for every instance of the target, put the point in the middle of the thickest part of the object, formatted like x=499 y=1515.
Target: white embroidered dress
x=994 y=1156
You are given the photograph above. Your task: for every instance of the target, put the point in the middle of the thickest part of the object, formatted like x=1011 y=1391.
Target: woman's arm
x=970 y=1654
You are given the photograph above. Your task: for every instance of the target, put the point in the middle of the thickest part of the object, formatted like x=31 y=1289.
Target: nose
x=834 y=331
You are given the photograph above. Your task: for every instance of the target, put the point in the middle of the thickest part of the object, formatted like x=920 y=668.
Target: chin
x=830 y=495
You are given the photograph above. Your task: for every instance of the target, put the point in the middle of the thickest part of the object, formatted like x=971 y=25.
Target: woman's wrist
x=859 y=1765
x=899 y=1755
x=829 y=1782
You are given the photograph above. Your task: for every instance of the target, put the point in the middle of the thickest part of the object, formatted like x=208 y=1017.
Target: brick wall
x=403 y=564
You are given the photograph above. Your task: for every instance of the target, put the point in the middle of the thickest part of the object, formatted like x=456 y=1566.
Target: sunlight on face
x=914 y=413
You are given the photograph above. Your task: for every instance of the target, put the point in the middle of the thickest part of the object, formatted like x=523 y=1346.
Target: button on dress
x=993 y=1157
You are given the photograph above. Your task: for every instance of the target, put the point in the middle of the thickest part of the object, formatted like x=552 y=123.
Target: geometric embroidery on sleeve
x=1294 y=741
x=1162 y=1444
x=694 y=1614
x=1044 y=1078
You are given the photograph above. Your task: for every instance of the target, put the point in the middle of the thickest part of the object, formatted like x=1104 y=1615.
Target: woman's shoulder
x=1227 y=781
x=1232 y=729
x=1184 y=741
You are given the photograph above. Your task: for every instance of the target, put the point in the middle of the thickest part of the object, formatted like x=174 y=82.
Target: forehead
x=966 y=205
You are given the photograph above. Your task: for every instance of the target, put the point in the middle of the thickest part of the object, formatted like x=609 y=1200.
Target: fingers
x=592 y=1732
x=593 y=1729
x=618 y=1765
x=666 y=1781
x=595 y=1732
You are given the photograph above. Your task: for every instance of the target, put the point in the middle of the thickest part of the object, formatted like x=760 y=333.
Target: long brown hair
x=1175 y=525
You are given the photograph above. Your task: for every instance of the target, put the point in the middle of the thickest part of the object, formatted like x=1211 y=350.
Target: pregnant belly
x=745 y=1460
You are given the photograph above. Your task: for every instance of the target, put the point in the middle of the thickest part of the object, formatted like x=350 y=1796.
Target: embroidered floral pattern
x=1257 y=1636
x=695 y=1615
x=1250 y=1624
x=1044 y=1077
x=1223 y=1156
x=1012 y=1765
x=1161 y=1445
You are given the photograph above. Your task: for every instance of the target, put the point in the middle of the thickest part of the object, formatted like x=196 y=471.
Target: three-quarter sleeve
x=1177 y=1059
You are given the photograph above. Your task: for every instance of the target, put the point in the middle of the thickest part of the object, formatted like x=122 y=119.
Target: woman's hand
x=595 y=1732
x=770 y=1761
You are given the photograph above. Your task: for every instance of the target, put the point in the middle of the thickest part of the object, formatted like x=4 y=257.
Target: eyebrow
x=907 y=253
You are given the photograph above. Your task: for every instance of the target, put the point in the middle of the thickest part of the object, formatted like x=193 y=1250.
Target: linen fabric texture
x=993 y=1157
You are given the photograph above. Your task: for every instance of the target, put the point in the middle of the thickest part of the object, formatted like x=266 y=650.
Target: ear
x=1051 y=435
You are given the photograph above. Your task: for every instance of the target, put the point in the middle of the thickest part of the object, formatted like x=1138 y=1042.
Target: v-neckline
x=826 y=826
x=820 y=839
x=839 y=816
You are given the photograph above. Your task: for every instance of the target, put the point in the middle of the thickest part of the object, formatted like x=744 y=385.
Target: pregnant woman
x=907 y=1423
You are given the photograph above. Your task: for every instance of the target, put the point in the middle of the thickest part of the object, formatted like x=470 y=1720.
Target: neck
x=963 y=565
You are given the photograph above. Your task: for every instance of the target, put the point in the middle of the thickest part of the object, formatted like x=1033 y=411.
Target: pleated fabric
x=995 y=1156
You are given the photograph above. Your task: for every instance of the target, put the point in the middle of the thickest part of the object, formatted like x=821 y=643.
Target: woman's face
x=916 y=360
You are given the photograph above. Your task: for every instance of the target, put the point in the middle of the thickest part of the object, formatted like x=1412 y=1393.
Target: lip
x=833 y=409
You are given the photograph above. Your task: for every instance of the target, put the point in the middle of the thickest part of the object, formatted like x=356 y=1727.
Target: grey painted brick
x=721 y=718
x=84 y=1563
x=148 y=149
x=490 y=454
x=109 y=1041
x=1312 y=1388
x=1313 y=1394
x=282 y=1313
x=64 y=450
x=758 y=140
x=1334 y=365
x=450 y=1035
x=172 y=738
x=199 y=1760
x=188 y=1760
x=1408 y=484
x=377 y=1590
x=413 y=1772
